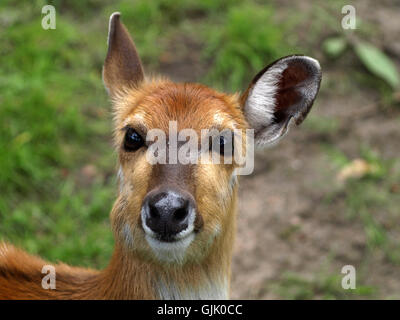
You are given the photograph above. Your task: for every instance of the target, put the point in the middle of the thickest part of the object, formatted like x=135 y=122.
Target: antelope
x=173 y=224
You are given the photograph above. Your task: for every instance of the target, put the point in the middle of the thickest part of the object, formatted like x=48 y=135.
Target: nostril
x=180 y=214
x=153 y=212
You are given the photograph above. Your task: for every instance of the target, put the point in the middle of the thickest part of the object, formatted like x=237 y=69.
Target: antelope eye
x=132 y=141
x=225 y=142
x=222 y=144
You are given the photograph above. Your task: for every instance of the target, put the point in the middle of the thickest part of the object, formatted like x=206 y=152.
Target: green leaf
x=334 y=46
x=378 y=63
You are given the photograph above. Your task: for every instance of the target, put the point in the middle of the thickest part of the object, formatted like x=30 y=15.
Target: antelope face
x=175 y=211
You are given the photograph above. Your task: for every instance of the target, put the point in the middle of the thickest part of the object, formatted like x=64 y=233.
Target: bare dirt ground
x=283 y=223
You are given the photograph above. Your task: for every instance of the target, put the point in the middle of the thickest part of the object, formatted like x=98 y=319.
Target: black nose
x=167 y=213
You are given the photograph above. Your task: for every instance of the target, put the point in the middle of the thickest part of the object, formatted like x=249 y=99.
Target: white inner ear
x=260 y=104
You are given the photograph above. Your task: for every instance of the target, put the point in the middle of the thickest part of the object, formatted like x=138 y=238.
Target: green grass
x=323 y=285
x=239 y=45
x=321 y=125
x=53 y=119
x=372 y=200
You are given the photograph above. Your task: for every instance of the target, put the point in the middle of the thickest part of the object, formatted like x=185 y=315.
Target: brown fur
x=132 y=271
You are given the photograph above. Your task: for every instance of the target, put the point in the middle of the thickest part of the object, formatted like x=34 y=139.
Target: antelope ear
x=279 y=94
x=122 y=67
